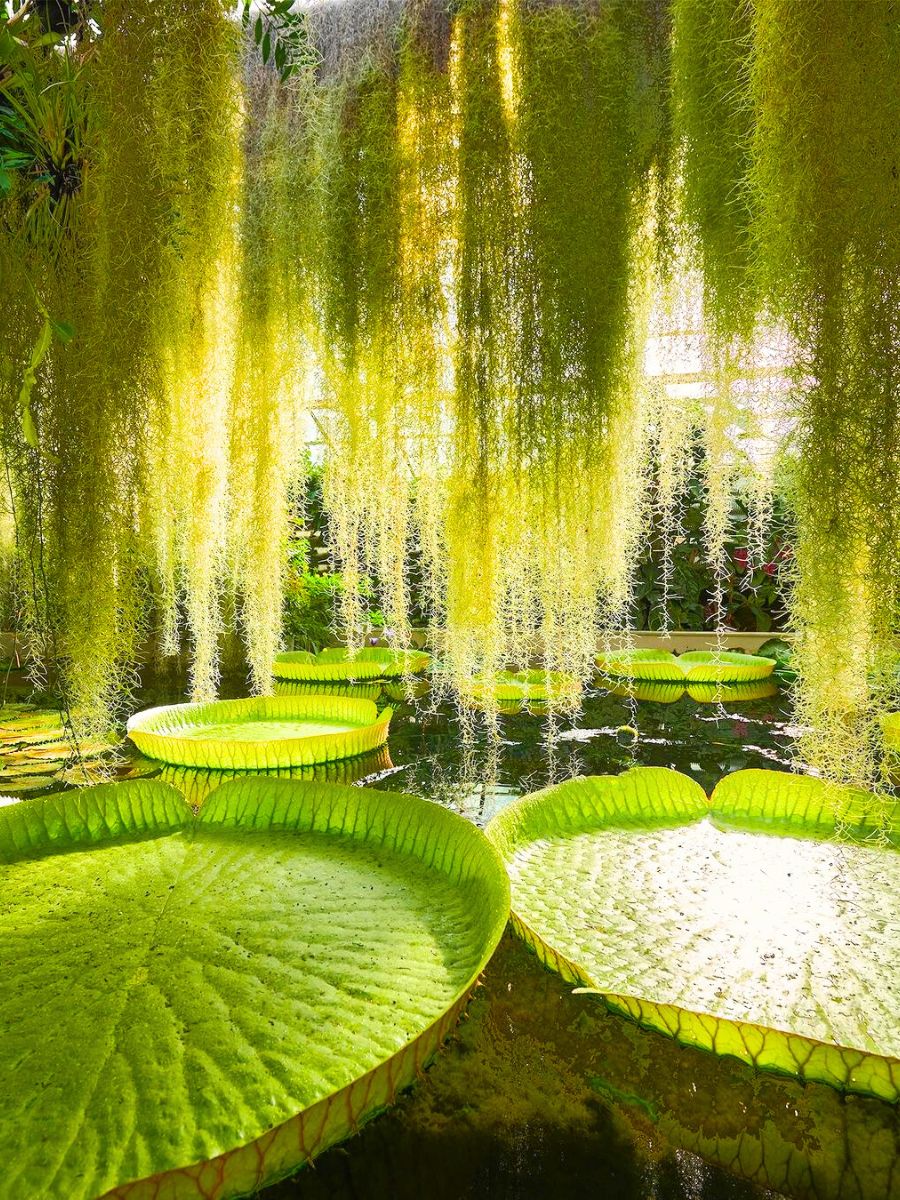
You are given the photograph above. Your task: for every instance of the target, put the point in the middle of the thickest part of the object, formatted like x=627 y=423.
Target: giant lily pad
x=696 y=666
x=260 y=734
x=194 y=1006
x=331 y=665
x=763 y=924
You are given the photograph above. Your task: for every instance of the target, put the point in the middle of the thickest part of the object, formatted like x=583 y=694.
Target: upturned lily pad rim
x=155 y=731
x=333 y=664
x=754 y=800
x=695 y=666
x=91 y=817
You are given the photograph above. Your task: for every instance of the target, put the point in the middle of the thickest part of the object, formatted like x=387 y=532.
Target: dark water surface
x=542 y=1093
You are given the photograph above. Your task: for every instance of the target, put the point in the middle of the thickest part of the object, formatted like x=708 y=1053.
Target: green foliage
x=311 y=608
x=306 y=947
x=280 y=35
x=675 y=587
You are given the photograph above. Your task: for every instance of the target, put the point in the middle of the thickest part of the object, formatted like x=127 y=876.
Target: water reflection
x=544 y=1095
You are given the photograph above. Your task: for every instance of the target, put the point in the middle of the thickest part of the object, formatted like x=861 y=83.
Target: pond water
x=542 y=1093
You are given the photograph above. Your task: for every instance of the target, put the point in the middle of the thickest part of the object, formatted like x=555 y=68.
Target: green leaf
x=280 y=55
x=29 y=429
x=221 y=997
x=741 y=925
x=42 y=345
x=64 y=330
x=258 y=30
x=266 y=46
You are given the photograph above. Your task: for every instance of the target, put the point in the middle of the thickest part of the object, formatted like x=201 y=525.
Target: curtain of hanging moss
x=265 y=450
x=95 y=496
x=194 y=96
x=714 y=126
x=587 y=133
x=75 y=497
x=483 y=486
x=561 y=127
x=826 y=172
x=366 y=482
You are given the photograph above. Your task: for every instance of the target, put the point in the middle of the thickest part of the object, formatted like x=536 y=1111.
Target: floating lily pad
x=697 y=666
x=763 y=924
x=262 y=733
x=331 y=665
x=194 y=1006
x=516 y=688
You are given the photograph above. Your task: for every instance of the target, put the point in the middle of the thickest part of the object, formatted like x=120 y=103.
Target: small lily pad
x=695 y=666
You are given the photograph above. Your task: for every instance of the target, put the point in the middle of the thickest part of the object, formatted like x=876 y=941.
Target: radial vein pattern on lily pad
x=194 y=1006
x=762 y=923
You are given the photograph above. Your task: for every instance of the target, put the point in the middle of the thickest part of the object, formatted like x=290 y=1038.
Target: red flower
x=770 y=568
x=741 y=558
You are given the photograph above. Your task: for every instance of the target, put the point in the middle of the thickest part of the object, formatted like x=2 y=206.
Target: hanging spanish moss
x=517 y=262
x=825 y=170
x=268 y=401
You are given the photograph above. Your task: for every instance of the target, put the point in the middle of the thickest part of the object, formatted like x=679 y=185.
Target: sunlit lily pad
x=696 y=666
x=764 y=923
x=193 y=1006
x=333 y=664
x=262 y=733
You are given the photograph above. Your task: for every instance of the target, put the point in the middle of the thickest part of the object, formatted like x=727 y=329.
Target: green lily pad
x=519 y=687
x=764 y=923
x=260 y=734
x=696 y=666
x=335 y=663
x=194 y=1006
